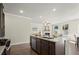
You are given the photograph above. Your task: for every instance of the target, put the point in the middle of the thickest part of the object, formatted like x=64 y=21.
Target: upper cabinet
x=2 y=21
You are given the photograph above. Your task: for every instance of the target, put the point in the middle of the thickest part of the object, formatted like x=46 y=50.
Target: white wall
x=17 y=28
x=39 y=27
x=73 y=26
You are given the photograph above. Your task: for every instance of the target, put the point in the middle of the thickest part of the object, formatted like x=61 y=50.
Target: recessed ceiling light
x=21 y=11
x=54 y=9
x=41 y=16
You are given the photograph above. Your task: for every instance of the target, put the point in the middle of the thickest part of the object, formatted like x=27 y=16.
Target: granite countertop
x=48 y=39
x=1 y=49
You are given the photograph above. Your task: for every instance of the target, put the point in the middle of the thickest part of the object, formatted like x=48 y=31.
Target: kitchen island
x=47 y=46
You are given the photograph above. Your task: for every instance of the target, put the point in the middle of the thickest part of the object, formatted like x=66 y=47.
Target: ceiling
x=43 y=10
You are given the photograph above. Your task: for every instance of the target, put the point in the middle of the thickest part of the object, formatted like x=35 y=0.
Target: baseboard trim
x=19 y=43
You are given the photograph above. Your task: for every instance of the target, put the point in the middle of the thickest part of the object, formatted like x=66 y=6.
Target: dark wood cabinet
x=44 y=47
x=52 y=48
x=33 y=43
x=38 y=43
x=2 y=21
x=47 y=47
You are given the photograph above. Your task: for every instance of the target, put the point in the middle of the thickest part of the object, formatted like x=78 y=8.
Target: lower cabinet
x=33 y=43
x=42 y=47
x=38 y=46
x=52 y=48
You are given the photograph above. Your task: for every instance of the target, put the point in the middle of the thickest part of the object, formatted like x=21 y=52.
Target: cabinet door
x=51 y=48
x=38 y=45
x=33 y=43
x=44 y=47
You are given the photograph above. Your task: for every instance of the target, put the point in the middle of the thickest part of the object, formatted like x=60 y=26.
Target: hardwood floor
x=22 y=49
